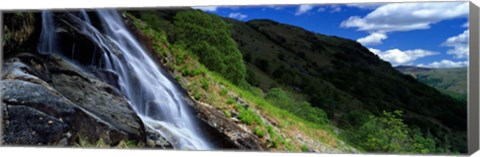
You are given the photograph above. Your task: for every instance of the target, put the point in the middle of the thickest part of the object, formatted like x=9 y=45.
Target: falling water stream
x=153 y=96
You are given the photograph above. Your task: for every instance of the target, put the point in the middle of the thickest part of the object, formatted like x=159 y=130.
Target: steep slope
x=275 y=128
x=450 y=81
x=341 y=77
x=337 y=76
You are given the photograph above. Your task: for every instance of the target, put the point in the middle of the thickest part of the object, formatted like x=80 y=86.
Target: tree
x=388 y=133
x=209 y=37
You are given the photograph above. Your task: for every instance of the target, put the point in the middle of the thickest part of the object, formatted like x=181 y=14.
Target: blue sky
x=421 y=34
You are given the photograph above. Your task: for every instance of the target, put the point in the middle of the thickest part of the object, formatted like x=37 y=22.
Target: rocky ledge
x=49 y=101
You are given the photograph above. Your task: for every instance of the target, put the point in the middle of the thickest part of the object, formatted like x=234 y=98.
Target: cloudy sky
x=421 y=34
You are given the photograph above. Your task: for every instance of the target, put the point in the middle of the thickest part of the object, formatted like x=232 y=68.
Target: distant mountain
x=451 y=81
x=409 y=69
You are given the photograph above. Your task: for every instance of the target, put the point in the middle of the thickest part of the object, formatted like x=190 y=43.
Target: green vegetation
x=259 y=131
x=208 y=37
x=302 y=109
x=221 y=93
x=388 y=133
x=299 y=83
x=305 y=148
x=450 y=81
x=345 y=80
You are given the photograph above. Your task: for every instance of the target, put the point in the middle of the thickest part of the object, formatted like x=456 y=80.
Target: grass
x=215 y=91
x=259 y=132
x=305 y=148
x=230 y=101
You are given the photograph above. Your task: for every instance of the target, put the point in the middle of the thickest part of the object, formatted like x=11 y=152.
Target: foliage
x=302 y=109
x=208 y=36
x=230 y=101
x=305 y=148
x=221 y=90
x=388 y=133
x=259 y=131
x=246 y=116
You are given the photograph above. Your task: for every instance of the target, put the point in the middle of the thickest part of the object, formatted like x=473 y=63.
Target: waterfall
x=48 y=37
x=153 y=96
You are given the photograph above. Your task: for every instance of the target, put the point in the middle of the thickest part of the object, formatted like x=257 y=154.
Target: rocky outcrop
x=49 y=101
x=228 y=132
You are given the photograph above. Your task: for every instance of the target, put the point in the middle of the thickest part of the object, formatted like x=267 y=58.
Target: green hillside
x=451 y=81
x=329 y=88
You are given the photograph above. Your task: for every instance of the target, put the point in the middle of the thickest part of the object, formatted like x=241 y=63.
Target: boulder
x=38 y=89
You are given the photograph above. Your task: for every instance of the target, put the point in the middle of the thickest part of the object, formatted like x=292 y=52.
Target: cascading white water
x=153 y=96
x=48 y=37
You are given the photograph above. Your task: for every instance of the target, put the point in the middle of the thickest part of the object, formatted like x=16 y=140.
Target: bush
x=388 y=133
x=246 y=116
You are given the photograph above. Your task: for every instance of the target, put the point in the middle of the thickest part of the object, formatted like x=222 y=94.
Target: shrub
x=246 y=116
x=388 y=133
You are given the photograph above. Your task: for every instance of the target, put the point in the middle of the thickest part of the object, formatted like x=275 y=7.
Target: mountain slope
x=451 y=81
x=341 y=76
x=337 y=75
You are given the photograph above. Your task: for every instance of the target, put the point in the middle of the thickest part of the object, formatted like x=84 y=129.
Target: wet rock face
x=49 y=101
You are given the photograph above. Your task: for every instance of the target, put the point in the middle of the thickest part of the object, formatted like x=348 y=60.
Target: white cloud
x=303 y=9
x=207 y=8
x=373 y=39
x=399 y=57
x=445 y=64
x=335 y=8
x=366 y=5
x=465 y=24
x=239 y=16
x=459 y=45
x=321 y=9
x=406 y=16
